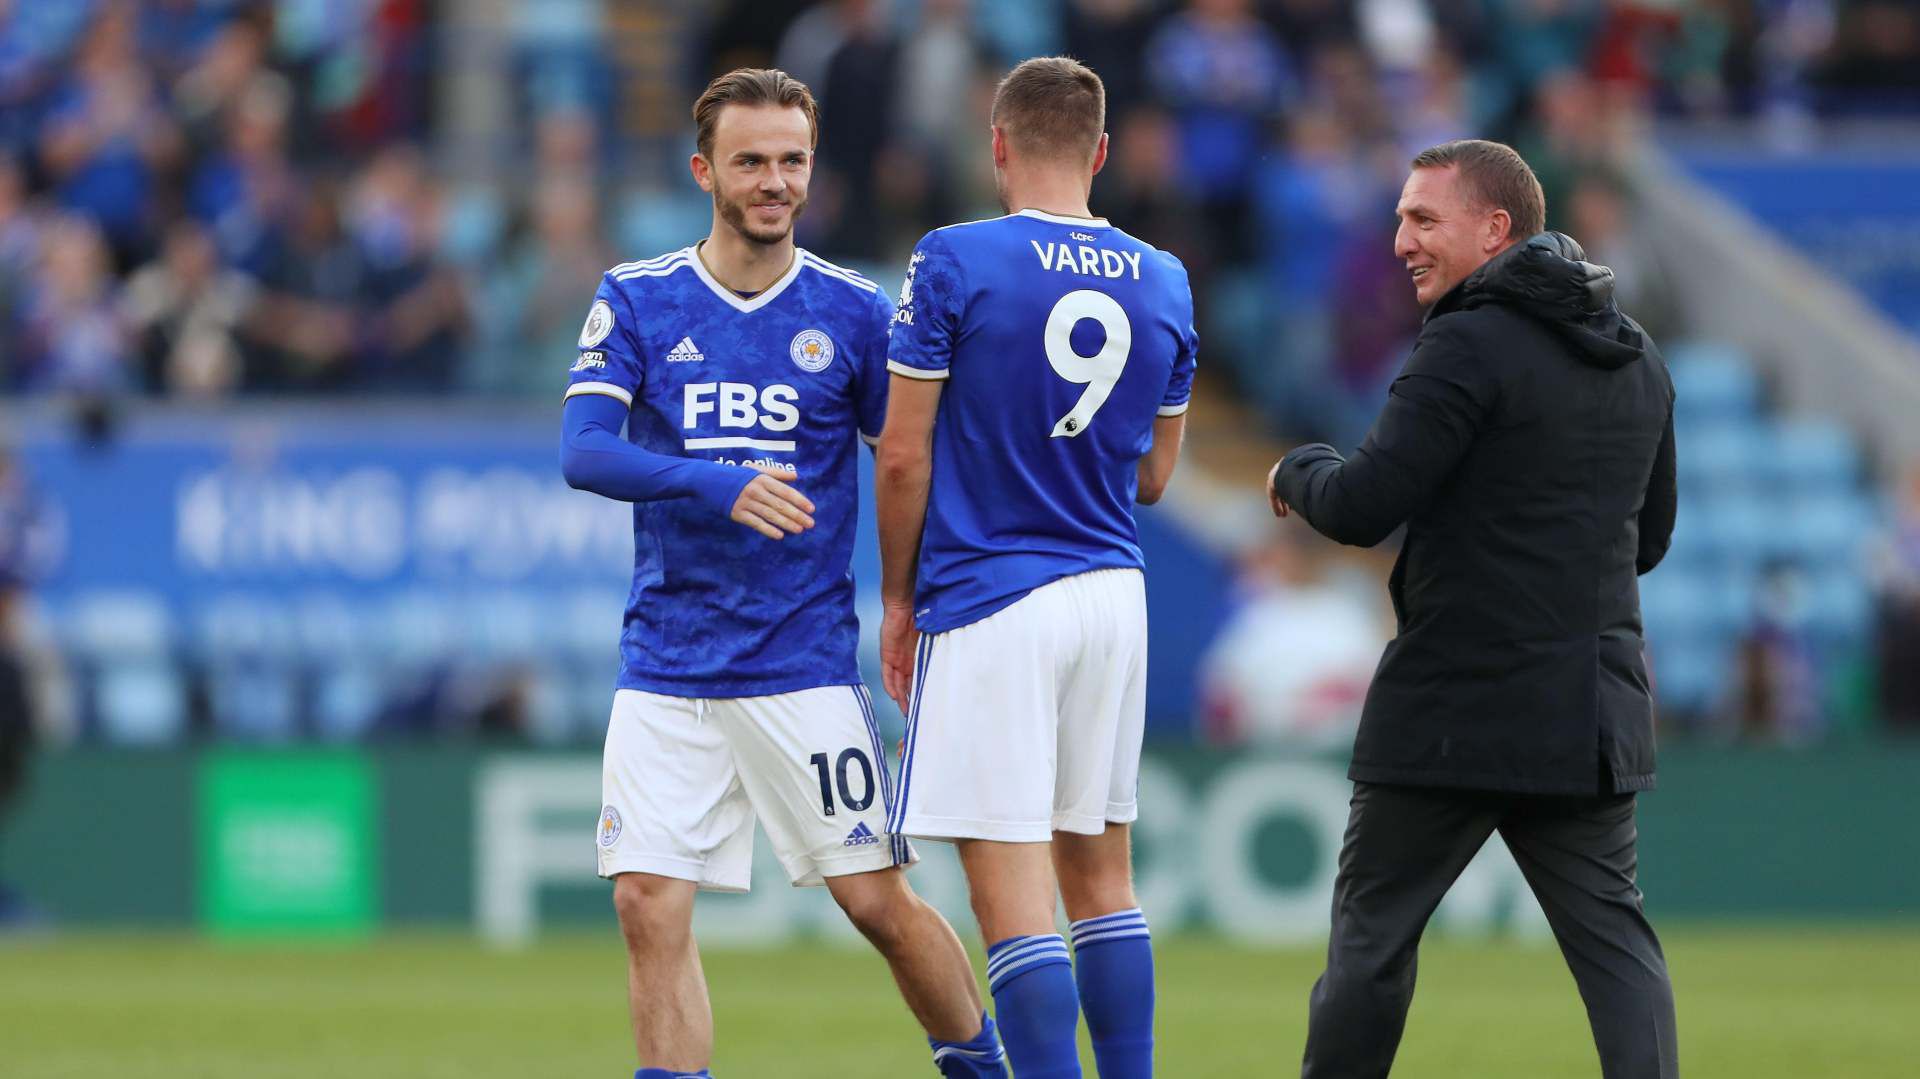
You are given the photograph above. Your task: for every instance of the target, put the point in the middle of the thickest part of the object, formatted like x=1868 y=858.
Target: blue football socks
x=1031 y=979
x=1113 y=965
x=981 y=1058
x=667 y=1073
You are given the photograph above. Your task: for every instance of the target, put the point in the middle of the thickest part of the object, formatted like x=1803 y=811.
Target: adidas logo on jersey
x=860 y=836
x=685 y=352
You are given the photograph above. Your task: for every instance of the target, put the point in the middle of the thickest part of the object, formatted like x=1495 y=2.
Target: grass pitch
x=1754 y=1003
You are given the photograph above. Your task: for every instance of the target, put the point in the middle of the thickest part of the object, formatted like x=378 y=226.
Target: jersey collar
x=760 y=299
x=1060 y=219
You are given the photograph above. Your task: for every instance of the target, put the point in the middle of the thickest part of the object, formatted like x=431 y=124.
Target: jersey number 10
x=1097 y=372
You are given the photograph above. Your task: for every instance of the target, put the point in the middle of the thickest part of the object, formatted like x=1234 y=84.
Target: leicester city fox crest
x=811 y=350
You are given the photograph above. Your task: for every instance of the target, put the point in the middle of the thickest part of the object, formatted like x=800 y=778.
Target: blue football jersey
x=1060 y=339
x=792 y=377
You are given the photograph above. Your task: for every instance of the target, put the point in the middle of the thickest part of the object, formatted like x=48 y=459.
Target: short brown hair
x=751 y=86
x=1497 y=178
x=1052 y=106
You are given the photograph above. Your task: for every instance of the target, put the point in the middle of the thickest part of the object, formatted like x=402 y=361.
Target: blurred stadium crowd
x=215 y=199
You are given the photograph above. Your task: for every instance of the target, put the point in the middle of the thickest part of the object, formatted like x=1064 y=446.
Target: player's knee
x=1093 y=895
x=651 y=910
x=880 y=910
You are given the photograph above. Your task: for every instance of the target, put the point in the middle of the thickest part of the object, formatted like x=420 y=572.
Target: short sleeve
x=931 y=302
x=1187 y=355
x=870 y=374
x=609 y=359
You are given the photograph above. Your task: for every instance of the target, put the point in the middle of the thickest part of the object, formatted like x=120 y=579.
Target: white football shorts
x=1029 y=721
x=683 y=780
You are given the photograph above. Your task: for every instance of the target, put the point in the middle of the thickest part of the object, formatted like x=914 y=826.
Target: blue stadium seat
x=142 y=702
x=1813 y=455
x=1688 y=672
x=119 y=627
x=1720 y=455
x=347 y=696
x=255 y=701
x=1713 y=382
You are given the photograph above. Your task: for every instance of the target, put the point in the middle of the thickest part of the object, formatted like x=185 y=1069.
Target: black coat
x=1528 y=447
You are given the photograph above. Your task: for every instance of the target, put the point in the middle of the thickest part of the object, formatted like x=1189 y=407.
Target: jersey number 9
x=1097 y=372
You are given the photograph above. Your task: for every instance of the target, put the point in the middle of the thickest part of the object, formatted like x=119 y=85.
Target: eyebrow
x=1417 y=209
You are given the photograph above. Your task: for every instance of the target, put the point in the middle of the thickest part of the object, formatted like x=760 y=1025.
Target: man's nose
x=1403 y=245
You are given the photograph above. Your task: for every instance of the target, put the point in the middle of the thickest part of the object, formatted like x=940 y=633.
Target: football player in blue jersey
x=1041 y=365
x=744 y=371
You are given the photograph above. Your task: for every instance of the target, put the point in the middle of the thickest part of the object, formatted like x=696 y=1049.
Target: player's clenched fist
x=771 y=507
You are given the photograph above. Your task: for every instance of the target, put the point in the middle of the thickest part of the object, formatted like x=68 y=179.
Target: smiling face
x=1443 y=235
x=761 y=161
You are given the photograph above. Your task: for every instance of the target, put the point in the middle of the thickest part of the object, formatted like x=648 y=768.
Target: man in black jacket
x=1528 y=448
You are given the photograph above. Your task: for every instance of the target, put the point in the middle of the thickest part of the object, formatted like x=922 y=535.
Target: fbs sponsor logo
x=685 y=352
x=860 y=836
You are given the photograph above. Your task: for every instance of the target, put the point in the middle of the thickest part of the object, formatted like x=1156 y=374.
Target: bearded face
x=762 y=160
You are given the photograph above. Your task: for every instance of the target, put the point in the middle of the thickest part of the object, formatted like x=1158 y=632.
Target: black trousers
x=1405 y=846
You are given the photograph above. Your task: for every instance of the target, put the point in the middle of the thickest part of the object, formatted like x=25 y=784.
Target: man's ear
x=702 y=172
x=1100 y=154
x=999 y=147
x=1499 y=231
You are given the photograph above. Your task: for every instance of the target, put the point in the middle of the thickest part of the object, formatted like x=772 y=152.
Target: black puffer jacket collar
x=1549 y=279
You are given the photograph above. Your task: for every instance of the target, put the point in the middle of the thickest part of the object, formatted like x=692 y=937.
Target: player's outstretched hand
x=898 y=638
x=769 y=506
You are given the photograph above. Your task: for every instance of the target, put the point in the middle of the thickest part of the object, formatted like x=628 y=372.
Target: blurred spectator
x=531 y=316
x=859 y=102
x=1896 y=579
x=244 y=190
x=1222 y=74
x=1600 y=214
x=71 y=335
x=1875 y=55
x=232 y=65
x=808 y=47
x=186 y=309
x=22 y=528
x=109 y=139
x=302 y=332
x=19 y=245
x=1774 y=696
x=1109 y=36
x=1292 y=664
x=413 y=301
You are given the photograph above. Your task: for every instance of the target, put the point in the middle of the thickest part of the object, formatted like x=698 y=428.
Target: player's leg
x=1404 y=847
x=930 y=966
x=979 y=770
x=666 y=989
x=675 y=820
x=1102 y=708
x=1579 y=857
x=812 y=764
x=1029 y=971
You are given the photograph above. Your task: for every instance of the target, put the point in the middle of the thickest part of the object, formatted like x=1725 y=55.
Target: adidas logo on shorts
x=860 y=836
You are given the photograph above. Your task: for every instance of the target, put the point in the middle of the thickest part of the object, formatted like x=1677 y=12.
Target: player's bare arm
x=1156 y=466
x=903 y=472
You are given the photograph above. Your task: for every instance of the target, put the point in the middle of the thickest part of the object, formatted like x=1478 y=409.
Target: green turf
x=1754 y=1004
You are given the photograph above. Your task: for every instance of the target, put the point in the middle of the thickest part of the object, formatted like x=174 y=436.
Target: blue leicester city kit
x=1060 y=340
x=789 y=378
